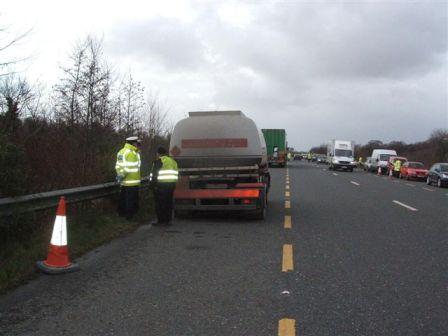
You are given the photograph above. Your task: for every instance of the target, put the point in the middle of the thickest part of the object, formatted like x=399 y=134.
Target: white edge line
x=411 y=185
x=335 y=174
x=405 y=205
x=427 y=189
x=355 y=183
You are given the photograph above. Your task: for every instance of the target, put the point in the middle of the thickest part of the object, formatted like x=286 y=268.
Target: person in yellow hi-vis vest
x=128 y=175
x=397 y=168
x=163 y=179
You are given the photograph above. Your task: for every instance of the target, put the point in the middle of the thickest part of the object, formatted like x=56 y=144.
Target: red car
x=413 y=170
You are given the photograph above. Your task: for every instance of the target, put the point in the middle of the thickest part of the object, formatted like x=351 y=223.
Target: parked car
x=391 y=163
x=438 y=174
x=380 y=158
x=413 y=170
x=367 y=165
x=322 y=159
x=297 y=157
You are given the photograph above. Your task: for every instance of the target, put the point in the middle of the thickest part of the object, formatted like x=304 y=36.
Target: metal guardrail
x=50 y=199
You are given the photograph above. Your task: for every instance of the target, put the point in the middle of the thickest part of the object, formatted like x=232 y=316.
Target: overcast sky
x=349 y=70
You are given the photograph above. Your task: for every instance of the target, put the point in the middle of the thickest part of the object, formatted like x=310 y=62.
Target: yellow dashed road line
x=288 y=224
x=287 y=264
x=287 y=327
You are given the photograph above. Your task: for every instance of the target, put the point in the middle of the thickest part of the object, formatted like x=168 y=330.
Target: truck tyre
x=260 y=213
x=351 y=170
x=180 y=214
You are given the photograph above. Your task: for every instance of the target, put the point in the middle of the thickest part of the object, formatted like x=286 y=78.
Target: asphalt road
x=340 y=258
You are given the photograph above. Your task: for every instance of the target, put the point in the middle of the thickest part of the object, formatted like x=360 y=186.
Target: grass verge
x=25 y=240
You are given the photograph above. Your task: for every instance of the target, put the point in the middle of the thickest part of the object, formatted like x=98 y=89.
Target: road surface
x=339 y=254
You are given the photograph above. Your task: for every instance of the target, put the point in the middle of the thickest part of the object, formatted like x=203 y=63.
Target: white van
x=340 y=155
x=380 y=158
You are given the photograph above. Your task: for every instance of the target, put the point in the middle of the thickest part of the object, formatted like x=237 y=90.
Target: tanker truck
x=222 y=164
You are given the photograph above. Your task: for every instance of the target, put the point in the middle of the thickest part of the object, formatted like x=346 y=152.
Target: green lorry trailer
x=276 y=146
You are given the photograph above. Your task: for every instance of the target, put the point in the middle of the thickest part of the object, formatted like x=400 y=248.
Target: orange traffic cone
x=58 y=260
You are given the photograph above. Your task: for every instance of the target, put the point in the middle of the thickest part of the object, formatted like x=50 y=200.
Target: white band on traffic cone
x=59 y=236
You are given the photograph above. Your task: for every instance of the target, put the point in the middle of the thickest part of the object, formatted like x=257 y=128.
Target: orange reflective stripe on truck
x=216 y=193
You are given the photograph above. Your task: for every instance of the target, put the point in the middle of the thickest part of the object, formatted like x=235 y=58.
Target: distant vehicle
x=413 y=170
x=367 y=164
x=391 y=163
x=322 y=159
x=380 y=159
x=340 y=155
x=438 y=174
x=298 y=157
x=314 y=158
x=276 y=146
x=222 y=164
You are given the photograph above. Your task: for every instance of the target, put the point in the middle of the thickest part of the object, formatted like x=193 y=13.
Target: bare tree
x=129 y=105
x=439 y=139
x=95 y=84
x=155 y=119
x=68 y=91
x=6 y=42
x=84 y=94
x=15 y=97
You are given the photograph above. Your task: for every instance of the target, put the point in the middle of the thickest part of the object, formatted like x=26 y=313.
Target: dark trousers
x=163 y=201
x=128 y=203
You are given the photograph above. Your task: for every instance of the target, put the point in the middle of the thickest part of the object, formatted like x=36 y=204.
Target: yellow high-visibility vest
x=128 y=165
x=397 y=165
x=169 y=171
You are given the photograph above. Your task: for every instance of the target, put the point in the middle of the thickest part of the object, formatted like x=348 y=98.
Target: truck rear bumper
x=217 y=199
x=215 y=207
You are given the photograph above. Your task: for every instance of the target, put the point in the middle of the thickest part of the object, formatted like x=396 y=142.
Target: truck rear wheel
x=260 y=213
x=181 y=213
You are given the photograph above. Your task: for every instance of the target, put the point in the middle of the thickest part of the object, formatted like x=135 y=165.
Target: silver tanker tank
x=217 y=139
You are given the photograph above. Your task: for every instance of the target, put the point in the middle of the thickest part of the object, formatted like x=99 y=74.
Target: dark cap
x=161 y=151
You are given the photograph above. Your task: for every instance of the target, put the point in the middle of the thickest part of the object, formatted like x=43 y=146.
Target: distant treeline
x=435 y=149
x=69 y=135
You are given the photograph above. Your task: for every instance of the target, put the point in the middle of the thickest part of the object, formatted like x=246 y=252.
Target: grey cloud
x=174 y=44
x=359 y=71
x=371 y=40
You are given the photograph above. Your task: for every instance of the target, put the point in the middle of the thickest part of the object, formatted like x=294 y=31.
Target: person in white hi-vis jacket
x=128 y=175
